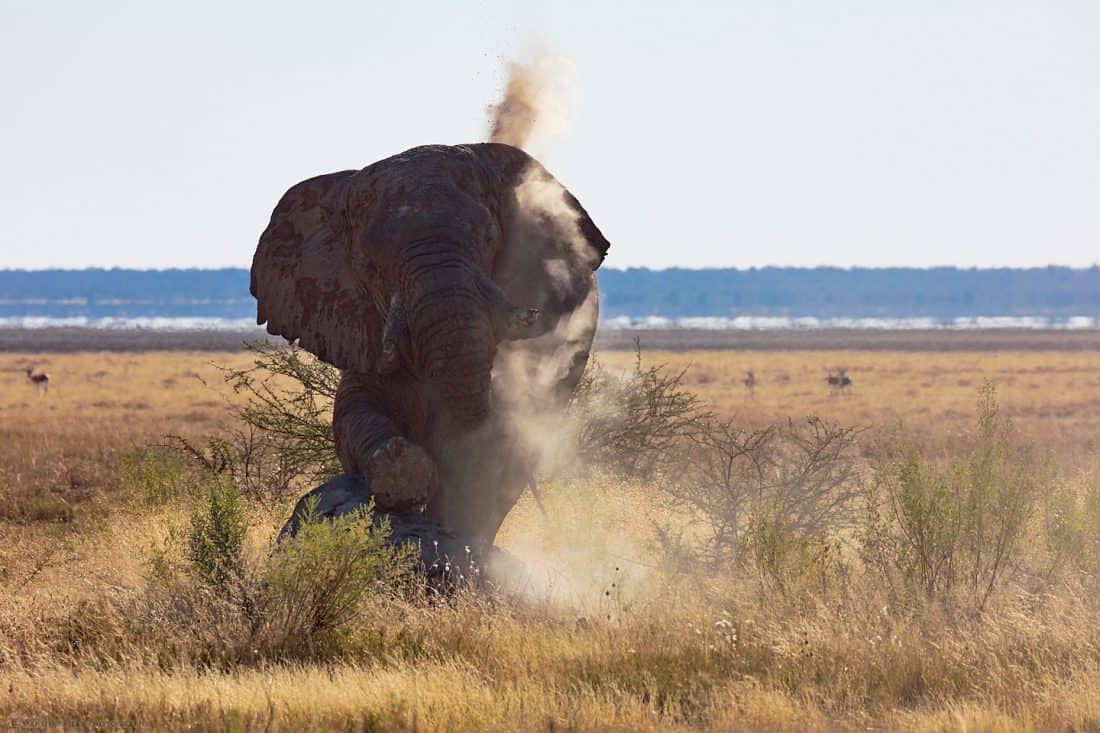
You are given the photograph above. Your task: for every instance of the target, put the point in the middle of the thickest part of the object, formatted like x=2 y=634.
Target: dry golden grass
x=60 y=452
x=611 y=642
x=117 y=391
x=1053 y=397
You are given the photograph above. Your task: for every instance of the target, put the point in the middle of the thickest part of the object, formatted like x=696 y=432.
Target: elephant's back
x=422 y=167
x=492 y=167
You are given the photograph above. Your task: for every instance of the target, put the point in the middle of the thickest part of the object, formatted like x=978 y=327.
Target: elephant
x=454 y=287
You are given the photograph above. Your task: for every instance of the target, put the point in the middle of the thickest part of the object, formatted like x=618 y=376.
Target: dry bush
x=748 y=485
x=632 y=424
x=283 y=432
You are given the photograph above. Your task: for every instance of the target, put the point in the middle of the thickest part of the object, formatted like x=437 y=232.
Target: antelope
x=41 y=381
x=750 y=384
x=838 y=382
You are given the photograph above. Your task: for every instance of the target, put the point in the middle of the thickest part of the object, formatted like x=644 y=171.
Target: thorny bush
x=633 y=425
x=796 y=478
x=285 y=435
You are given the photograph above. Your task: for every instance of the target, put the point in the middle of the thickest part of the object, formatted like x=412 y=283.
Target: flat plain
x=623 y=642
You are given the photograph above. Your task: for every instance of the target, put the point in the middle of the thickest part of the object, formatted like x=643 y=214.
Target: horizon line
x=754 y=268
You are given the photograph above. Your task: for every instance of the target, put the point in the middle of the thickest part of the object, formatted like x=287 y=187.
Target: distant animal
x=750 y=384
x=839 y=382
x=40 y=381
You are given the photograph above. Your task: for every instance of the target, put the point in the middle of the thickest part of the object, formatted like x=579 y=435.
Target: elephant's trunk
x=451 y=315
x=452 y=338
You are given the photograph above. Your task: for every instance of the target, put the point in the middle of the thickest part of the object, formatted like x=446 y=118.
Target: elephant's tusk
x=521 y=318
x=533 y=485
x=396 y=328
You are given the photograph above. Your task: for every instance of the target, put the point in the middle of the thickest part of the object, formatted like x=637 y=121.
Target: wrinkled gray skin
x=455 y=289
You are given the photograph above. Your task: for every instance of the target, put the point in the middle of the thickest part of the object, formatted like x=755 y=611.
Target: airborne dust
x=575 y=560
x=532 y=111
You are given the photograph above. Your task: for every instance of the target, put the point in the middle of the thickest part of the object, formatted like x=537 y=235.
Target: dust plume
x=579 y=550
x=567 y=559
x=532 y=109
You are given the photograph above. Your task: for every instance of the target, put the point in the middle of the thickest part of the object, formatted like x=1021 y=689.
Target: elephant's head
x=443 y=321
x=391 y=267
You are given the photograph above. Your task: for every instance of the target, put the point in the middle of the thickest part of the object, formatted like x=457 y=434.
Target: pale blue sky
x=738 y=134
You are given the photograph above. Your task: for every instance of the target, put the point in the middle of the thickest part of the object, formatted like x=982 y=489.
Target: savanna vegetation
x=922 y=553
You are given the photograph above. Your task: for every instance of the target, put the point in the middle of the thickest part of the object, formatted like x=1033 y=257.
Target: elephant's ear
x=540 y=194
x=303 y=281
x=597 y=242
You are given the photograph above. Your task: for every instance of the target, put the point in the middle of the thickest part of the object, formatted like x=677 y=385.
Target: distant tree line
x=165 y=286
x=942 y=292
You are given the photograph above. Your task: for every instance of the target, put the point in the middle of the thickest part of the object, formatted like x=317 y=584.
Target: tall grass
x=825 y=578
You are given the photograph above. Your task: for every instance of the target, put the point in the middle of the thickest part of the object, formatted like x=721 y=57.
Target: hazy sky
x=739 y=134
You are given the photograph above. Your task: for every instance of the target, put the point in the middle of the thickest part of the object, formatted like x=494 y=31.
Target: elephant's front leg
x=399 y=473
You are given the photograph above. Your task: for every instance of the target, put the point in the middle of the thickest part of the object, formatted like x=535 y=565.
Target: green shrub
x=318 y=582
x=790 y=559
x=1071 y=529
x=957 y=527
x=216 y=536
x=310 y=598
x=290 y=394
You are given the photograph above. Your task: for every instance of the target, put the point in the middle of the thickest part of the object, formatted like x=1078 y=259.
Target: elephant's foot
x=401 y=475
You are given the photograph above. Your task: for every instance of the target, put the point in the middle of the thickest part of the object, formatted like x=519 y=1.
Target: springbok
x=750 y=384
x=839 y=382
x=41 y=381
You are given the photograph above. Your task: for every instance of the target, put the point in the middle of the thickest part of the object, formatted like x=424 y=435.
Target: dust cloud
x=567 y=560
x=533 y=110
